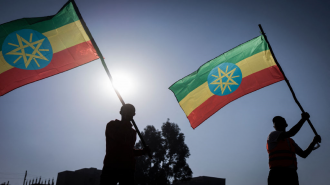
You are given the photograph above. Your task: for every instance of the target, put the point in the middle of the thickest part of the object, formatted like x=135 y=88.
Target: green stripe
x=66 y=15
x=187 y=84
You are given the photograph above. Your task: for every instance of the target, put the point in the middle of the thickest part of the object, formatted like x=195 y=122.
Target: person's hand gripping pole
x=317 y=139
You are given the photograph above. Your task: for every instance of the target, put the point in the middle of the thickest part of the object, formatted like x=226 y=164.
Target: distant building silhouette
x=85 y=176
x=202 y=180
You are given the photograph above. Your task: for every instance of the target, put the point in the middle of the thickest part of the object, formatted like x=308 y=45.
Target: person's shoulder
x=275 y=132
x=113 y=122
x=292 y=140
x=273 y=135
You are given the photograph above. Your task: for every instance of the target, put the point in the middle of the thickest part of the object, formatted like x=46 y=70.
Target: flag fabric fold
x=242 y=70
x=32 y=49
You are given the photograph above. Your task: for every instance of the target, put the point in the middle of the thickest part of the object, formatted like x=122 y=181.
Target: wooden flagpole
x=288 y=83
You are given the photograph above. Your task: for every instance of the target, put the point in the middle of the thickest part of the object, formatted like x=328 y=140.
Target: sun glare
x=124 y=83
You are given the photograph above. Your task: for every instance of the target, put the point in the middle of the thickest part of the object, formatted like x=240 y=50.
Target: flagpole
x=286 y=80
x=106 y=68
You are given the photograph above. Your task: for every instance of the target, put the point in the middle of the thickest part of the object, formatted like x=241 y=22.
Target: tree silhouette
x=169 y=156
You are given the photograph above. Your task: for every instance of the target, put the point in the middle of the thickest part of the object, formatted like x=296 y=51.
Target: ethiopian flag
x=32 y=49
x=242 y=70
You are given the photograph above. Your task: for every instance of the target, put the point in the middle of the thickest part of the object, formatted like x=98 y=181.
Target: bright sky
x=58 y=123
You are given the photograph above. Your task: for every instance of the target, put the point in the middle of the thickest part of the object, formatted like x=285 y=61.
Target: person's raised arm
x=293 y=131
x=304 y=154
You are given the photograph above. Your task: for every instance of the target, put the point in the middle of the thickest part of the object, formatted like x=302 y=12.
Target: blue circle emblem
x=224 y=79
x=27 y=49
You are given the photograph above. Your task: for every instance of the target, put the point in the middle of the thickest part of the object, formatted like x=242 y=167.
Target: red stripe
x=62 y=61
x=249 y=84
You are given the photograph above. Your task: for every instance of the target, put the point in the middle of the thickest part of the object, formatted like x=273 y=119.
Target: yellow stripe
x=61 y=38
x=4 y=66
x=66 y=36
x=256 y=63
x=248 y=66
x=195 y=98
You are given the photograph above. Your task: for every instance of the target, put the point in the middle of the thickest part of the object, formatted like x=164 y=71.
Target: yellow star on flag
x=223 y=85
x=28 y=57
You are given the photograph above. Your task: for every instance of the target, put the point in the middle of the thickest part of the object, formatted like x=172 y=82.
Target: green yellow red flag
x=242 y=70
x=32 y=49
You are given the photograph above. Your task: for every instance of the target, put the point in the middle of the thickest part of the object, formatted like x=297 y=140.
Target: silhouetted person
x=119 y=161
x=282 y=152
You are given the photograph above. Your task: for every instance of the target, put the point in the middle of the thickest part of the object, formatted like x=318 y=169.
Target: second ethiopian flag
x=242 y=70
x=32 y=49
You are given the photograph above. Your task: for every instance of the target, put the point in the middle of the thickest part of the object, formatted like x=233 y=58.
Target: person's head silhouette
x=279 y=123
x=127 y=112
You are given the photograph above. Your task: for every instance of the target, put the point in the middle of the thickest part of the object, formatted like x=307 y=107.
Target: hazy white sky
x=58 y=123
